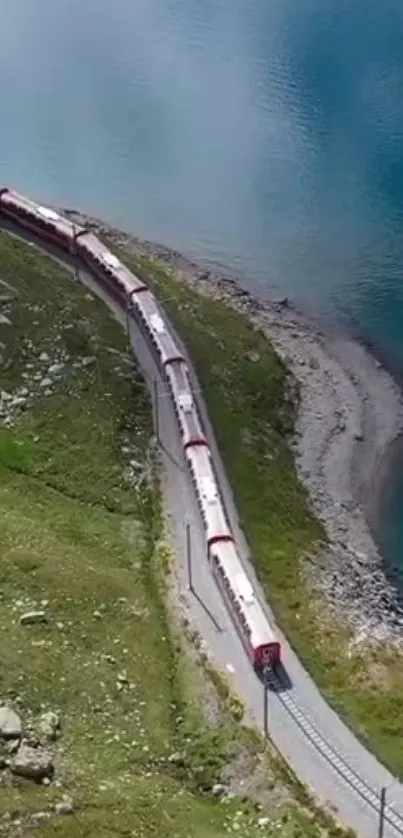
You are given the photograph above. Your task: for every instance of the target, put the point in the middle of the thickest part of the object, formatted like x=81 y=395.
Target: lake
x=267 y=137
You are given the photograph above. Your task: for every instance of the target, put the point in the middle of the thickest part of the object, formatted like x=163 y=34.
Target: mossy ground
x=81 y=536
x=245 y=386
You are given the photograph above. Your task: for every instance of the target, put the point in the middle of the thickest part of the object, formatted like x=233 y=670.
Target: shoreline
x=349 y=421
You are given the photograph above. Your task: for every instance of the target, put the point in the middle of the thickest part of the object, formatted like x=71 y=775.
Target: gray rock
x=85 y=362
x=41 y=816
x=44 y=356
x=65 y=807
x=31 y=618
x=46 y=382
x=32 y=763
x=18 y=401
x=10 y=724
x=55 y=369
x=49 y=726
x=218 y=789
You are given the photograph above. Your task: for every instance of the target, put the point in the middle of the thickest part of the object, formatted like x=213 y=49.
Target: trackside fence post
x=382 y=801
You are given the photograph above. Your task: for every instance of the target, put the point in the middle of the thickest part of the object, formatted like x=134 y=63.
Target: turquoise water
x=265 y=136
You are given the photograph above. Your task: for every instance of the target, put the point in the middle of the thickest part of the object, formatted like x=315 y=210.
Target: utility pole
x=189 y=557
x=382 y=802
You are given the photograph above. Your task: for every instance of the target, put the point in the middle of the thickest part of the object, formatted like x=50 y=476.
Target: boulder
x=32 y=763
x=10 y=724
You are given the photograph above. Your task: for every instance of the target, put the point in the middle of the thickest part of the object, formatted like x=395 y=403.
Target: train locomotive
x=259 y=640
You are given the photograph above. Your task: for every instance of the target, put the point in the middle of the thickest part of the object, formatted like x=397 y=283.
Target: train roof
x=93 y=244
x=258 y=622
x=187 y=407
x=215 y=518
x=157 y=323
x=48 y=214
x=180 y=375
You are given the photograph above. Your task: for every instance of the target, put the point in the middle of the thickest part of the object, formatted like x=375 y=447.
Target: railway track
x=336 y=760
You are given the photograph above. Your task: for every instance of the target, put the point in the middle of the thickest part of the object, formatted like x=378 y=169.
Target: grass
x=247 y=392
x=81 y=537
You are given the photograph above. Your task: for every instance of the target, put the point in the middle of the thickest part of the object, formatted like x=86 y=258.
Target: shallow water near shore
x=262 y=137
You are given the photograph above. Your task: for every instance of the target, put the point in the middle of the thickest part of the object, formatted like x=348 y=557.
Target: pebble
x=31 y=618
x=65 y=807
x=263 y=822
x=55 y=369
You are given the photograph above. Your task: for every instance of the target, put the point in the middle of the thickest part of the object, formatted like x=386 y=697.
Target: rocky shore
x=350 y=413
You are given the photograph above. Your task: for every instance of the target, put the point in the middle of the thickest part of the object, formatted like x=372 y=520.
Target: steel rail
x=348 y=774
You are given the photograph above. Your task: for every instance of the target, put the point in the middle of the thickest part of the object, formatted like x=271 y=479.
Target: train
x=258 y=637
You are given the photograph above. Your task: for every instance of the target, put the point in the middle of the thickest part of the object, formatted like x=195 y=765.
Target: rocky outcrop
x=27 y=748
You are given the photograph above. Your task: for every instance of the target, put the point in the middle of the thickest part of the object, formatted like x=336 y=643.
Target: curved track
x=320 y=748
